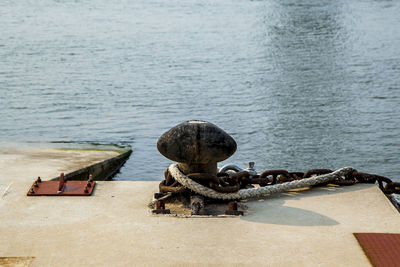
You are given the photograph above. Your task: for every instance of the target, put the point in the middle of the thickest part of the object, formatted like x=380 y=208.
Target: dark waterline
x=298 y=84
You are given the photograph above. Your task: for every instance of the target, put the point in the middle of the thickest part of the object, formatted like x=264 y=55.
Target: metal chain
x=231 y=183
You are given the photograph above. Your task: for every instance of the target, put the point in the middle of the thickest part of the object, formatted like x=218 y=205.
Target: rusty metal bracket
x=62 y=187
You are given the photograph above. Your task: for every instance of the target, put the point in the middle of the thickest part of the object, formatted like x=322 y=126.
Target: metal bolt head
x=233 y=209
x=232 y=205
x=32 y=191
x=160 y=205
x=86 y=189
x=158 y=195
x=251 y=169
x=39 y=180
x=36 y=184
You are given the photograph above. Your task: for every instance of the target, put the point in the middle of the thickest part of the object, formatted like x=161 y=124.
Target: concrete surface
x=27 y=164
x=114 y=228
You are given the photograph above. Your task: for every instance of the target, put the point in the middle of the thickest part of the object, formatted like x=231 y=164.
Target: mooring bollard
x=197 y=146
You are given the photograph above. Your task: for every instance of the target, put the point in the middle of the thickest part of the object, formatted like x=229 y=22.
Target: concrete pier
x=114 y=227
x=27 y=164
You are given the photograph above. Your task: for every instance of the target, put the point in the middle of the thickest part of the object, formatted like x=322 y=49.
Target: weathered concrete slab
x=114 y=228
x=27 y=164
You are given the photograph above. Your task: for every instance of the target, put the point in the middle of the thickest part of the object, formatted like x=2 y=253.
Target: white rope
x=255 y=192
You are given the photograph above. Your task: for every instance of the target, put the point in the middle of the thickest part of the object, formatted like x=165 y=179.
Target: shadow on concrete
x=271 y=209
x=282 y=215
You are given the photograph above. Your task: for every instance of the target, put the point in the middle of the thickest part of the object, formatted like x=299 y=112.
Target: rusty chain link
x=233 y=182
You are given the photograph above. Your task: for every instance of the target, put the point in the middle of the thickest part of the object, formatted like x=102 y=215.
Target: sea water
x=298 y=84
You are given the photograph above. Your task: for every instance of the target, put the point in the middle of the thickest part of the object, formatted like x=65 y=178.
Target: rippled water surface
x=298 y=84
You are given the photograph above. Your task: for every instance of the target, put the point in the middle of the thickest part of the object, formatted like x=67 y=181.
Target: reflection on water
x=298 y=84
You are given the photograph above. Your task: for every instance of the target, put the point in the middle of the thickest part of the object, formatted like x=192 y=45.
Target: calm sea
x=298 y=84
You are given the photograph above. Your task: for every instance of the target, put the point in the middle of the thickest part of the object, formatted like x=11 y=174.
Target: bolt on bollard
x=233 y=209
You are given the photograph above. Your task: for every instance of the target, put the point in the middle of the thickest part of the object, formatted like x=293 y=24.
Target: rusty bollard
x=197 y=146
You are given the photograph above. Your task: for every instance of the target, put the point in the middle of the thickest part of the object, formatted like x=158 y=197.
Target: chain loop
x=233 y=182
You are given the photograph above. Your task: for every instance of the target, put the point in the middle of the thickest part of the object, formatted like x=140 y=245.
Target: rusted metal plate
x=62 y=188
x=381 y=249
x=16 y=261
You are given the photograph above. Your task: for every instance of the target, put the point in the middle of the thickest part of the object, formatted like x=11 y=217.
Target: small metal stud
x=232 y=205
x=86 y=189
x=160 y=205
x=233 y=209
x=158 y=195
x=32 y=191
